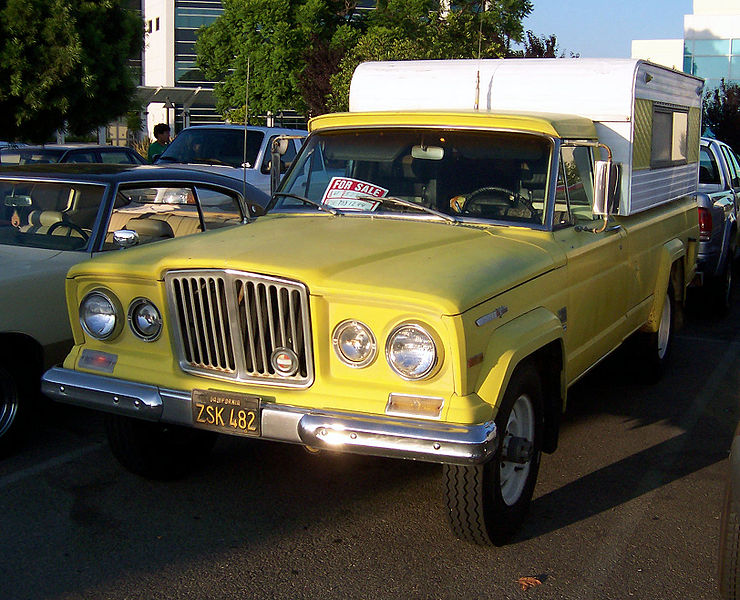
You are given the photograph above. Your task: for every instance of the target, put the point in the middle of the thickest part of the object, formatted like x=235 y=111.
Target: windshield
x=48 y=215
x=31 y=156
x=216 y=146
x=482 y=175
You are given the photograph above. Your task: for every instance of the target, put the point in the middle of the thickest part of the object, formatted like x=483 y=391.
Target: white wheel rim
x=513 y=476
x=664 y=329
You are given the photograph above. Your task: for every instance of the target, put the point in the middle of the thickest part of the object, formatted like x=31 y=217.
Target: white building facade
x=710 y=47
x=174 y=90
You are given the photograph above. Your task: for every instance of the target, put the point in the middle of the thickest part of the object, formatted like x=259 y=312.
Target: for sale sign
x=346 y=193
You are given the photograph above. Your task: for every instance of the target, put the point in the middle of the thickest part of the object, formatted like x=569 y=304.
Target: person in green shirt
x=161 y=141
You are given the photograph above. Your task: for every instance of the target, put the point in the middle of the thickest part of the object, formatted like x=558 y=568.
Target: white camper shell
x=649 y=115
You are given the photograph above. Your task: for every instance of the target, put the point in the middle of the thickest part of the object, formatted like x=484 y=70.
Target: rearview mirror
x=428 y=152
x=18 y=201
x=606 y=187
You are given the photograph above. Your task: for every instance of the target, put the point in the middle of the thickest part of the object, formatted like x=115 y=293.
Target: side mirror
x=125 y=238
x=278 y=148
x=606 y=187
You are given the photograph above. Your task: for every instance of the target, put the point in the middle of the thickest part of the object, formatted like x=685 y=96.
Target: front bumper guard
x=358 y=433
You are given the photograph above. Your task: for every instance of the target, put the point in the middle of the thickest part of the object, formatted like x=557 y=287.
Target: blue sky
x=598 y=28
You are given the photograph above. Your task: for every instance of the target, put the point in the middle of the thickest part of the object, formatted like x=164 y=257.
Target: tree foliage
x=309 y=65
x=721 y=108
x=64 y=61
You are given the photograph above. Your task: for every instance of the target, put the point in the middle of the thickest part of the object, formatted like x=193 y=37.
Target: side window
x=732 y=166
x=575 y=185
x=218 y=208
x=116 y=157
x=81 y=157
x=708 y=169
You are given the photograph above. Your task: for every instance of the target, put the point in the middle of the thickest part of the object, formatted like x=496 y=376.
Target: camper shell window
x=670 y=135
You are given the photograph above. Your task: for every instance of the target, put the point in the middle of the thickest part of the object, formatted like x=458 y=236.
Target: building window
x=149 y=26
x=156 y=24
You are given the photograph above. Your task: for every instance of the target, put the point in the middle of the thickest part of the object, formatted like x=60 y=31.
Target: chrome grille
x=227 y=324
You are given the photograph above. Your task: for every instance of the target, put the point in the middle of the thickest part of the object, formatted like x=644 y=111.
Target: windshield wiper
x=169 y=158
x=421 y=207
x=324 y=207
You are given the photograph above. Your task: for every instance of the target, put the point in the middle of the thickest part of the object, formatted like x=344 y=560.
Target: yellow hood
x=452 y=267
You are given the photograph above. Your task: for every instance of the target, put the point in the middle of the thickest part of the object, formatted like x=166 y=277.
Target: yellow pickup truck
x=436 y=268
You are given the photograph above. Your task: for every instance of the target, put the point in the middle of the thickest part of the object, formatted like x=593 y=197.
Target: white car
x=220 y=148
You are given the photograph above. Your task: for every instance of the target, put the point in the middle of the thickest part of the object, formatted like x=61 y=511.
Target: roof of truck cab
x=556 y=125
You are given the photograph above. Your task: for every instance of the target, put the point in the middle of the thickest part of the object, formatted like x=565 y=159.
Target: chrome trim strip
x=356 y=433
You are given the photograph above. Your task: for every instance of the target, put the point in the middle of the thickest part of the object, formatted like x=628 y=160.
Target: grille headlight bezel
x=137 y=304
x=111 y=330
x=427 y=367
x=340 y=348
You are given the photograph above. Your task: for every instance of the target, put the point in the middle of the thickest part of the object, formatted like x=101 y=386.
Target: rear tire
x=721 y=290
x=654 y=349
x=486 y=504
x=157 y=450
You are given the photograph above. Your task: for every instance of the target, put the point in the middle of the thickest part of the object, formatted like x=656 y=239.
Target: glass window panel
x=687 y=64
x=735 y=67
x=708 y=169
x=715 y=67
x=736 y=46
x=712 y=47
x=679 y=144
x=688 y=46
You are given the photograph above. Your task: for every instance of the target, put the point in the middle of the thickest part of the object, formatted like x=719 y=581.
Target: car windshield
x=464 y=174
x=213 y=146
x=30 y=156
x=48 y=215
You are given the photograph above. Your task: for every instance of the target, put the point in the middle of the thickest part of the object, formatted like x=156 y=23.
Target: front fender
x=509 y=345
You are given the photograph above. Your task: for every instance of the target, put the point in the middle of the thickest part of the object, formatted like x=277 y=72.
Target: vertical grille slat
x=216 y=309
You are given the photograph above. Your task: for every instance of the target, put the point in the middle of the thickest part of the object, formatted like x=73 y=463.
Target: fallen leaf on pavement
x=528 y=582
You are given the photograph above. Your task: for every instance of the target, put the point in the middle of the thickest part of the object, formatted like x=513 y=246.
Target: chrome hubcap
x=513 y=475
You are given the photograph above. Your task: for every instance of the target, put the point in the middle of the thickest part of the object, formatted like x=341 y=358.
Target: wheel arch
x=671 y=270
x=537 y=338
x=22 y=351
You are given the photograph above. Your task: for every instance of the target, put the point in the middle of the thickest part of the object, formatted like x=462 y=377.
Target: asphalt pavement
x=628 y=506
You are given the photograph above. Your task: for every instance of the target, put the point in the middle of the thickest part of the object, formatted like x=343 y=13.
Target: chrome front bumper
x=358 y=433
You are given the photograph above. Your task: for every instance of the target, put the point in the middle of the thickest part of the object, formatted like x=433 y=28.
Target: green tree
x=64 y=62
x=419 y=29
x=275 y=37
x=543 y=46
x=721 y=108
x=303 y=52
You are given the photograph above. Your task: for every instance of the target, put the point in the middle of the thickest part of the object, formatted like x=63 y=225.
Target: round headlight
x=144 y=319
x=98 y=315
x=354 y=343
x=411 y=351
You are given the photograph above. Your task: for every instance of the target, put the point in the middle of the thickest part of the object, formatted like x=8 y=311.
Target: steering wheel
x=509 y=195
x=71 y=226
x=510 y=198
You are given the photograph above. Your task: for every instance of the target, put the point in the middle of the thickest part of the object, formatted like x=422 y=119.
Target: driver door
x=597 y=266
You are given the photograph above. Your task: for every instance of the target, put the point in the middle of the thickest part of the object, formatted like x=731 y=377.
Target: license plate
x=226 y=412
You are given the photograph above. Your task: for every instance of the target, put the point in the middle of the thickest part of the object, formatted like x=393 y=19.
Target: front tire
x=486 y=504
x=157 y=450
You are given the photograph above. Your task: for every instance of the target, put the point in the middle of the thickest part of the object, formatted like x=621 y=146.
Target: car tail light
x=705 y=224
